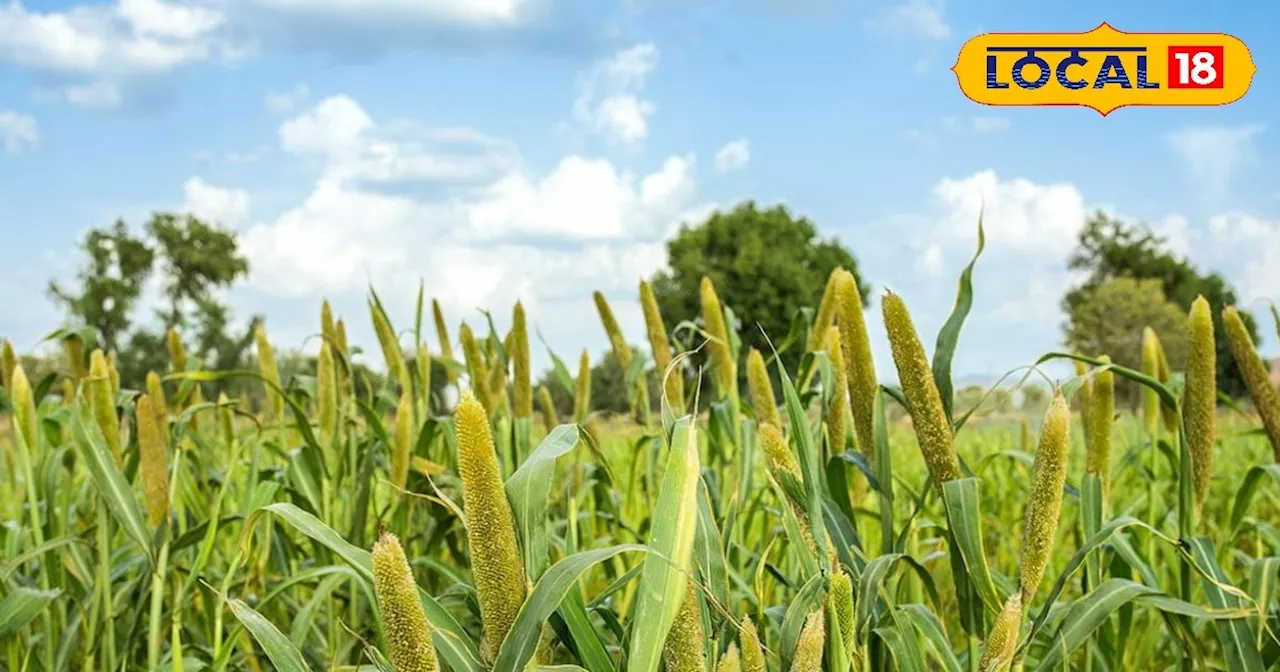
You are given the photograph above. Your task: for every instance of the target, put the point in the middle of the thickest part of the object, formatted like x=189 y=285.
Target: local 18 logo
x=1104 y=69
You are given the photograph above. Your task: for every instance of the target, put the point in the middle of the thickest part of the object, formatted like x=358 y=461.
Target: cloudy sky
x=539 y=149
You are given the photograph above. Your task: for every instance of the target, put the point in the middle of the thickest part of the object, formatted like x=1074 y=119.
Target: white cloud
x=915 y=18
x=105 y=44
x=1213 y=155
x=280 y=102
x=984 y=124
x=609 y=100
x=474 y=239
x=18 y=132
x=1251 y=248
x=213 y=203
x=733 y=156
x=1018 y=213
x=465 y=13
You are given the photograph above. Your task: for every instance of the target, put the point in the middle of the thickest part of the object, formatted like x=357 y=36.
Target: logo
x=1104 y=69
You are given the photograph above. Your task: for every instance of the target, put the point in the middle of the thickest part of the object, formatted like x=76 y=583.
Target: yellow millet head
x=402 y=441
x=673 y=381
x=1002 y=642
x=933 y=431
x=1150 y=367
x=25 y=416
x=1044 y=502
x=1200 y=397
x=684 y=650
x=836 y=425
x=762 y=399
x=752 y=650
x=826 y=315
x=495 y=555
x=152 y=462
x=408 y=633
x=1256 y=377
x=267 y=369
x=104 y=404
x=477 y=370
x=731 y=662
x=811 y=644
x=723 y=366
x=547 y=407
x=776 y=450
x=611 y=329
x=442 y=330
x=177 y=351
x=859 y=366
x=1101 y=422
x=582 y=389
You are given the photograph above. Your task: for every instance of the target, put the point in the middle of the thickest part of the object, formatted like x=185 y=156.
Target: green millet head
x=495 y=556
x=25 y=417
x=933 y=431
x=752 y=650
x=1044 y=502
x=859 y=366
x=327 y=328
x=402 y=442
x=152 y=463
x=826 y=315
x=1084 y=397
x=104 y=404
x=476 y=368
x=422 y=361
x=723 y=367
x=731 y=662
x=762 y=399
x=776 y=450
x=836 y=426
x=442 y=330
x=811 y=644
x=684 y=650
x=1170 y=414
x=1002 y=641
x=1200 y=397
x=177 y=351
x=1150 y=367
x=673 y=381
x=841 y=598
x=547 y=408
x=582 y=389
x=326 y=393
x=1265 y=397
x=408 y=633
x=8 y=360
x=1101 y=422
x=523 y=388
x=391 y=352
x=611 y=329
x=268 y=370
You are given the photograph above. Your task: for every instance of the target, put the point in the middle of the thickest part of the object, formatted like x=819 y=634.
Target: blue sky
x=539 y=149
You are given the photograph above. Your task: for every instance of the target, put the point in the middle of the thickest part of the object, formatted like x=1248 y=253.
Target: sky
x=536 y=150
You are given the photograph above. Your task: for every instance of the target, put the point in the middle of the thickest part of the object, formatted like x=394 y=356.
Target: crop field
x=746 y=516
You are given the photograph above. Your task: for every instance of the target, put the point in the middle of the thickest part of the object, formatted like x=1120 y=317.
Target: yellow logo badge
x=1104 y=69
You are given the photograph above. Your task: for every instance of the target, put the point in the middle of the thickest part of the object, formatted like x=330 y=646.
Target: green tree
x=198 y=258
x=608 y=388
x=766 y=264
x=1109 y=248
x=111 y=280
x=1109 y=319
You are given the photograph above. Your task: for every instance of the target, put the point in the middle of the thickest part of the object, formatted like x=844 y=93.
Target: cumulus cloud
x=478 y=227
x=733 y=156
x=100 y=47
x=466 y=13
x=213 y=203
x=18 y=132
x=610 y=102
x=281 y=102
x=1213 y=155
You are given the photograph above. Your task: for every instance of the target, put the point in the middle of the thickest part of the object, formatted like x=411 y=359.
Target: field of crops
x=751 y=518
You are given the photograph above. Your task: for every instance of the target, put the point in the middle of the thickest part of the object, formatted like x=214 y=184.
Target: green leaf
x=709 y=549
x=112 y=485
x=451 y=640
x=21 y=606
x=522 y=639
x=927 y=624
x=1239 y=646
x=905 y=650
x=284 y=656
x=807 y=601
x=949 y=335
x=810 y=460
x=964 y=516
x=666 y=566
x=529 y=491
x=1249 y=488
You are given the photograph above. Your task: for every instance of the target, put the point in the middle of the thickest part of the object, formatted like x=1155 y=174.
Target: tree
x=111 y=280
x=1110 y=248
x=1109 y=319
x=608 y=388
x=196 y=258
x=766 y=265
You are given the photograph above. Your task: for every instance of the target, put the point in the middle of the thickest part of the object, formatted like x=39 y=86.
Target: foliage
x=1108 y=247
x=765 y=263
x=1110 y=317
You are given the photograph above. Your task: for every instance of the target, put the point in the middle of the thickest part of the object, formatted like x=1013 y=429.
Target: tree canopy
x=1109 y=248
x=766 y=265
